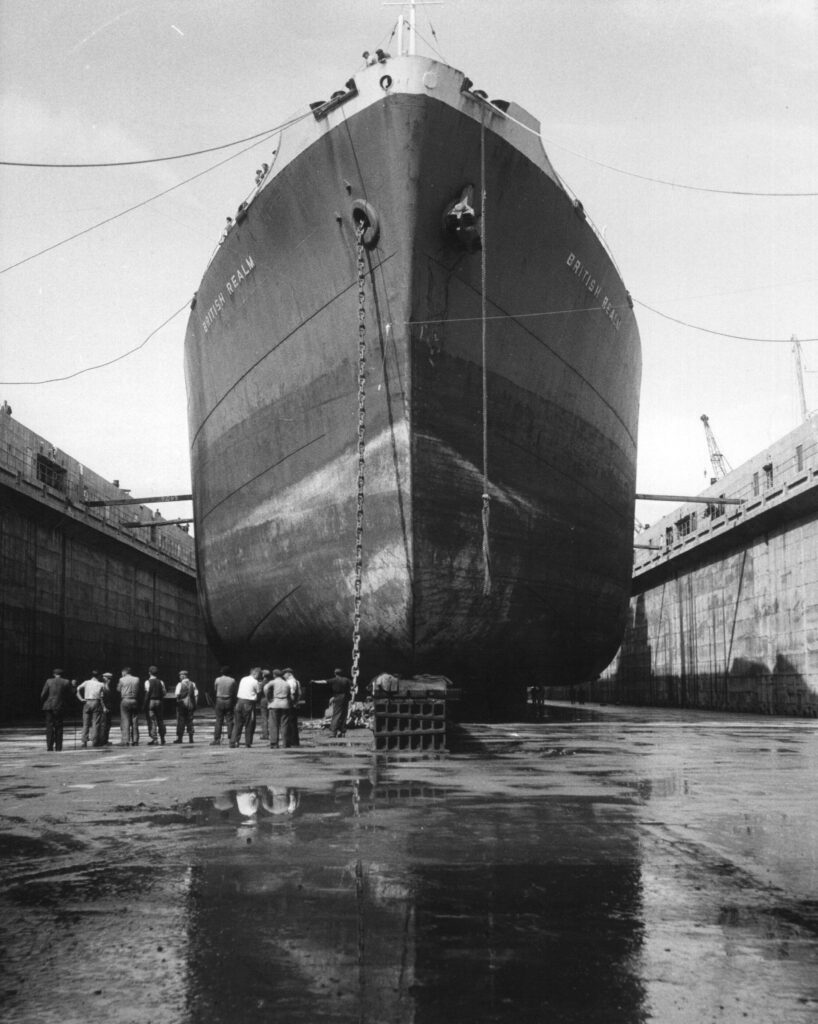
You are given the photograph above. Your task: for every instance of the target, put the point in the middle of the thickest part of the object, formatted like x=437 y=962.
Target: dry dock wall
x=738 y=633
x=724 y=612
x=78 y=589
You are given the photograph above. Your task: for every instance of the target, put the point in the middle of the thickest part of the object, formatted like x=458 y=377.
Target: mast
x=412 y=44
x=410 y=49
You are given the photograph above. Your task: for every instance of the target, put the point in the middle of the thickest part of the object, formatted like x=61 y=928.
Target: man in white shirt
x=245 y=714
x=91 y=693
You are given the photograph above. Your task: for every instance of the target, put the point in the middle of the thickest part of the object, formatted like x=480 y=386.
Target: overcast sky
x=718 y=95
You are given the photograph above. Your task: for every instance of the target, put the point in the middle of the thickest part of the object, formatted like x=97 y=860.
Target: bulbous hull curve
x=272 y=371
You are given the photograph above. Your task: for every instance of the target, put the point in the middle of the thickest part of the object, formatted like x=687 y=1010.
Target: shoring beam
x=702 y=499
x=153 y=522
x=138 y=501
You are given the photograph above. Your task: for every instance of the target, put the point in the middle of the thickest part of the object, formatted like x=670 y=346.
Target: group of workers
x=95 y=694
x=273 y=695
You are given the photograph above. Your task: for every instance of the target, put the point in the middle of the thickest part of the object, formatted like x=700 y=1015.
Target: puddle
x=352 y=796
x=428 y=943
x=577 y=883
x=411 y=902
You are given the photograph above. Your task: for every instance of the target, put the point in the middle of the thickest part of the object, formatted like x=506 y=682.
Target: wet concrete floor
x=604 y=865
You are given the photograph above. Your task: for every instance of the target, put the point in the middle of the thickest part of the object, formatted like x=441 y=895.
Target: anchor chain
x=359 y=520
x=485 y=513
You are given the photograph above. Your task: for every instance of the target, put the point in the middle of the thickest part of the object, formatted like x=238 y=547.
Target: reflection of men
x=186 y=698
x=246 y=699
x=91 y=692
x=340 y=689
x=278 y=800
x=225 y=687
x=56 y=696
x=155 y=700
x=128 y=687
x=223 y=803
x=247 y=804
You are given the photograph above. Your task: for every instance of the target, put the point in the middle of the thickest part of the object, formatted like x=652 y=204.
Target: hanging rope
x=360 y=228
x=486 y=498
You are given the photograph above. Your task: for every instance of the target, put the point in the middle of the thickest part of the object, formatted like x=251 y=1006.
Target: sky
x=644 y=105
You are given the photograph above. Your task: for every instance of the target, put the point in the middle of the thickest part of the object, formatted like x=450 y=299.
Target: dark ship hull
x=272 y=372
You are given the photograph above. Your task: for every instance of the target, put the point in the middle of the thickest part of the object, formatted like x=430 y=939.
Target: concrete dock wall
x=738 y=633
x=724 y=612
x=79 y=590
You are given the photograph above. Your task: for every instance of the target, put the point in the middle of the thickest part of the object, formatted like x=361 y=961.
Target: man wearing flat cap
x=57 y=696
x=91 y=692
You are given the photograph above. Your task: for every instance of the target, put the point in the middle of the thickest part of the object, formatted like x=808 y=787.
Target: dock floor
x=604 y=864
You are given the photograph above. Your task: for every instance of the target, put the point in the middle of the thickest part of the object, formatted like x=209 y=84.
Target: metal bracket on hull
x=324 y=107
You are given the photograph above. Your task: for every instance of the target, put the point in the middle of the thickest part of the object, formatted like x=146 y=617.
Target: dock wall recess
x=80 y=591
x=724 y=615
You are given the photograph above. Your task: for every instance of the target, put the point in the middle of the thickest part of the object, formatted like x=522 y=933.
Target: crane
x=799 y=373
x=721 y=467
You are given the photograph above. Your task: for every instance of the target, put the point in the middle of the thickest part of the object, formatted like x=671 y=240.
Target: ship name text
x=231 y=285
x=586 y=276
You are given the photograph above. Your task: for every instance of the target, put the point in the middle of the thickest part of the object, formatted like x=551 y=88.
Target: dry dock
x=603 y=866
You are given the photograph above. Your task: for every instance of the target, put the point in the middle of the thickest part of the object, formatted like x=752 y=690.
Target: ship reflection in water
x=410 y=902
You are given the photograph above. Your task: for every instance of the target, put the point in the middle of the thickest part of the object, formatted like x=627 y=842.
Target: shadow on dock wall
x=734 y=632
x=749 y=685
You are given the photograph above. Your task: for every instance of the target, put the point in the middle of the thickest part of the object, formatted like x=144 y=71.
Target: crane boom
x=721 y=467
x=799 y=373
